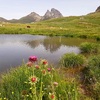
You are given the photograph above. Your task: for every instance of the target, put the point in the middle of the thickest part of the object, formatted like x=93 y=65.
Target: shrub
x=89 y=47
x=83 y=36
x=72 y=60
x=36 y=81
x=98 y=38
x=94 y=61
x=94 y=65
x=69 y=35
x=90 y=77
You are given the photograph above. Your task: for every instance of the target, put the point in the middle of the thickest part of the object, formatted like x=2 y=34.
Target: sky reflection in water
x=16 y=48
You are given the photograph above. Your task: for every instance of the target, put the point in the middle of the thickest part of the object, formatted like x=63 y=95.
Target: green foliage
x=98 y=38
x=90 y=77
x=47 y=84
x=87 y=77
x=94 y=65
x=72 y=60
x=87 y=47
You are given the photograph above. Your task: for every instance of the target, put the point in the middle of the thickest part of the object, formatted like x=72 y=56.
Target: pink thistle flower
x=49 y=69
x=55 y=84
x=33 y=79
x=33 y=58
x=29 y=64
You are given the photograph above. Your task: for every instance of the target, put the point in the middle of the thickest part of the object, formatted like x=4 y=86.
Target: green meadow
x=76 y=78
x=87 y=26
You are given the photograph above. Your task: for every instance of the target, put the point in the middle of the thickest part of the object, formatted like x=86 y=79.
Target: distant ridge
x=34 y=17
x=2 y=19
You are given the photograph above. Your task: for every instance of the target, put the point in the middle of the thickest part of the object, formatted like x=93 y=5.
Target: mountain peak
x=33 y=13
x=48 y=13
x=54 y=13
x=2 y=19
x=98 y=9
x=34 y=17
x=53 y=9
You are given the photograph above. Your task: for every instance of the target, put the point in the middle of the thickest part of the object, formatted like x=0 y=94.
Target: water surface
x=16 y=48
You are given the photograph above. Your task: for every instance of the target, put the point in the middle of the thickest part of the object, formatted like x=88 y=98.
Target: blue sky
x=10 y=9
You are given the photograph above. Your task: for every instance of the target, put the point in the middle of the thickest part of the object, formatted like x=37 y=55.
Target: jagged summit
x=34 y=17
x=54 y=13
x=98 y=9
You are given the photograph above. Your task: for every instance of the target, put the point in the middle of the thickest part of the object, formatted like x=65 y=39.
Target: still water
x=16 y=48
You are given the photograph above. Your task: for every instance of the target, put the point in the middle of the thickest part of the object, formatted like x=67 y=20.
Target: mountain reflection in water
x=16 y=48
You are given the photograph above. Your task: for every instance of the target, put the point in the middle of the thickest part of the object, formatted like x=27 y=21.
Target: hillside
x=88 y=25
x=73 y=26
x=32 y=17
x=2 y=19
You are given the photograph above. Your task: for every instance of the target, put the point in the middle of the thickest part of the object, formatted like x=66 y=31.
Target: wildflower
x=30 y=88
x=49 y=69
x=37 y=66
x=27 y=95
x=25 y=82
x=52 y=96
x=44 y=62
x=53 y=69
x=55 y=84
x=29 y=64
x=73 y=90
x=33 y=79
x=24 y=92
x=44 y=71
x=33 y=58
x=12 y=92
x=69 y=92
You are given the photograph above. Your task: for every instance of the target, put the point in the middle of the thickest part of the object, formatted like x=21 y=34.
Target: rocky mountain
x=3 y=19
x=52 y=14
x=98 y=9
x=34 y=17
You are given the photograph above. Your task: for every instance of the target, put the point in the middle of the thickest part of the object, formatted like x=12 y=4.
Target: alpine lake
x=16 y=49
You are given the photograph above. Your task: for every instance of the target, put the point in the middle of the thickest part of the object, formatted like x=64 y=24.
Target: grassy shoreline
x=74 y=26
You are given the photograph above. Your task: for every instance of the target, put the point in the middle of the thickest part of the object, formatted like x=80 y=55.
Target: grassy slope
x=81 y=26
